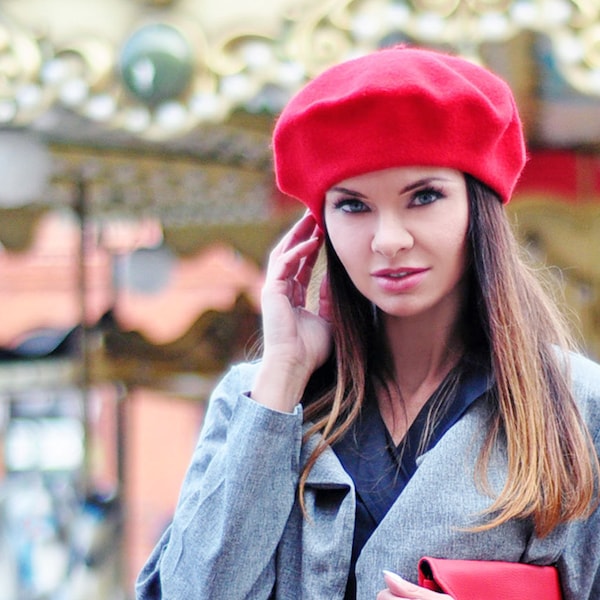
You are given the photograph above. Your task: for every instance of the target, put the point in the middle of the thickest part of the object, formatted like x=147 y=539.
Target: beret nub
x=398 y=107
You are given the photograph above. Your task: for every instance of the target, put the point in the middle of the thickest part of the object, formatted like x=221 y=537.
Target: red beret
x=397 y=107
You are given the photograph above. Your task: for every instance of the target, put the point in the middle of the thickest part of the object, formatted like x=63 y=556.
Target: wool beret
x=400 y=106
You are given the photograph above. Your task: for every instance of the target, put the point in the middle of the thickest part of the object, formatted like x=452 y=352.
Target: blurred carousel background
x=137 y=205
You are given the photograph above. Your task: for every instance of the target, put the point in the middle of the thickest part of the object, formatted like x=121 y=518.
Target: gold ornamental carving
x=240 y=57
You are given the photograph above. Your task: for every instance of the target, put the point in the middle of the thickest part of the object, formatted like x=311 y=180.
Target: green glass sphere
x=156 y=63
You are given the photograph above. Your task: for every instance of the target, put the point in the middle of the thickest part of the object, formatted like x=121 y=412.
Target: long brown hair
x=552 y=466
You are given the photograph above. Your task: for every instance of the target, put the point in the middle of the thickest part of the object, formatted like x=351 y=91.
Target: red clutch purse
x=489 y=580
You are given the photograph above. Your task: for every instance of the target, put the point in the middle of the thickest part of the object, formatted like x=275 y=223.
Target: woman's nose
x=391 y=237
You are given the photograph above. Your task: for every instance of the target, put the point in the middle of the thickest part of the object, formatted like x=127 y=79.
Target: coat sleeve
x=579 y=564
x=234 y=503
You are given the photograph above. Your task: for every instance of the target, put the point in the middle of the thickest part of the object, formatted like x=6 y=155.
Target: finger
x=307 y=265
x=401 y=588
x=289 y=264
x=300 y=231
x=290 y=248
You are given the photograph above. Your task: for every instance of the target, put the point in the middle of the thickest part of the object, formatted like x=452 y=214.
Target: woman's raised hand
x=296 y=340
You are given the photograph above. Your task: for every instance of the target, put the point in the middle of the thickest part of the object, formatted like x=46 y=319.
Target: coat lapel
x=438 y=507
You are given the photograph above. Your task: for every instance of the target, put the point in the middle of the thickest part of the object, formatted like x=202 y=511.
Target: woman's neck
x=423 y=352
x=425 y=345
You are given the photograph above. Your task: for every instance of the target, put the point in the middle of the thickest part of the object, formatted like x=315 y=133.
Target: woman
x=431 y=404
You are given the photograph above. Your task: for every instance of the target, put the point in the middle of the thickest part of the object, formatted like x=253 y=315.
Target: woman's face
x=401 y=235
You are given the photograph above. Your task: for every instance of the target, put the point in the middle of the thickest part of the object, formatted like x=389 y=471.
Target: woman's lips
x=399 y=280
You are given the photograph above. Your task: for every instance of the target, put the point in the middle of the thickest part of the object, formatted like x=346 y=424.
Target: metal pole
x=81 y=208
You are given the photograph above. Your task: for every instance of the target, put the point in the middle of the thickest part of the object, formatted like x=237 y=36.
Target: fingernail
x=394 y=576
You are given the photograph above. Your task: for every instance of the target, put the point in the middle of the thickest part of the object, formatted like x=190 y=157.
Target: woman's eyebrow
x=420 y=183
x=343 y=190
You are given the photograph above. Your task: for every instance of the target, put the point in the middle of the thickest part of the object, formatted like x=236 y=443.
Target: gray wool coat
x=238 y=532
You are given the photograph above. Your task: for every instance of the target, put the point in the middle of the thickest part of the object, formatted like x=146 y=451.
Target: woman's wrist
x=279 y=386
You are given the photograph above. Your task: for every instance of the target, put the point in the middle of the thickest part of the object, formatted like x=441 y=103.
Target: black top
x=380 y=469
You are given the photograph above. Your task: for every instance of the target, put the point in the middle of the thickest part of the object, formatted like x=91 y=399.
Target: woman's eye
x=351 y=205
x=426 y=196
